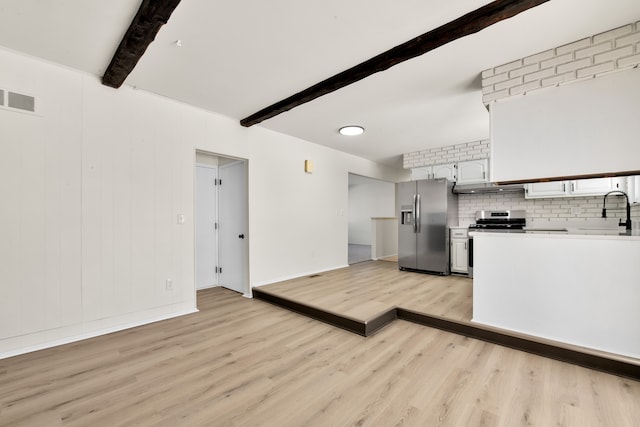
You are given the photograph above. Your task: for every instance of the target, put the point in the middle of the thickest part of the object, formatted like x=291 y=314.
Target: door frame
x=248 y=292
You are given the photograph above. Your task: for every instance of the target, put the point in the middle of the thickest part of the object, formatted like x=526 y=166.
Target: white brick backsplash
x=509 y=83
x=573 y=65
x=629 y=61
x=495 y=95
x=487 y=89
x=539 y=75
x=612 y=34
x=613 y=54
x=606 y=52
x=539 y=57
x=487 y=73
x=596 y=69
x=558 y=79
x=593 y=50
x=542 y=209
x=524 y=70
x=557 y=60
x=508 y=66
x=573 y=46
x=631 y=39
x=450 y=154
x=524 y=88
x=495 y=79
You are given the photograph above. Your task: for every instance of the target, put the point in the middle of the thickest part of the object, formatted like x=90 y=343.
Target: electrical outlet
x=169 y=284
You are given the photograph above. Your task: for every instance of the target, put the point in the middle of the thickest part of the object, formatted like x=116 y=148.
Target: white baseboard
x=385 y=256
x=296 y=276
x=79 y=337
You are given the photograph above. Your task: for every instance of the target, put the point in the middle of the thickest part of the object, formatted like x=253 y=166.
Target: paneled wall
x=91 y=189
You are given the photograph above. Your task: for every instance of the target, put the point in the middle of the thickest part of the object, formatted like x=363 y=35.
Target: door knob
x=241 y=236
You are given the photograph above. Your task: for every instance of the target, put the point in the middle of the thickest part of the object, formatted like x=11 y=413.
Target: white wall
x=91 y=189
x=298 y=221
x=368 y=198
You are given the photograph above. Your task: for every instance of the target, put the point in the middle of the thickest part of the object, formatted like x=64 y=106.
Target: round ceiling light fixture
x=351 y=130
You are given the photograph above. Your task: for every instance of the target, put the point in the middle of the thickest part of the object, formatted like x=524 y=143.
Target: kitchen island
x=578 y=288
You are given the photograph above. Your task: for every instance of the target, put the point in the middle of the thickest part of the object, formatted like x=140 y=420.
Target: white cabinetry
x=546 y=189
x=472 y=171
x=459 y=250
x=447 y=170
x=578 y=187
x=468 y=172
x=596 y=186
x=633 y=188
x=424 y=172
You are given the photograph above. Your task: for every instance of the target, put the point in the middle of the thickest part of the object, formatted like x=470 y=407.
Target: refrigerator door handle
x=417 y=215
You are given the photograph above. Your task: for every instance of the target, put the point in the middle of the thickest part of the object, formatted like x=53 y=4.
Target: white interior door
x=232 y=228
x=206 y=233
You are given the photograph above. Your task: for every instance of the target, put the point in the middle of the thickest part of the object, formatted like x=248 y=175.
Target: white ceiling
x=240 y=56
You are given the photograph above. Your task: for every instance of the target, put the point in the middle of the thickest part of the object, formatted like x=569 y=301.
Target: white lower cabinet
x=459 y=250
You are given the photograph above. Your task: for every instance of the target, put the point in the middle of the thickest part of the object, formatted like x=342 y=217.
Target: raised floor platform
x=365 y=297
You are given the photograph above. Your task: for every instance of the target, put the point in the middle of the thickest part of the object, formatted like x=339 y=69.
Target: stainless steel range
x=496 y=221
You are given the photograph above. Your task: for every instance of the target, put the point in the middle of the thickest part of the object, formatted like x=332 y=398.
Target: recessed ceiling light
x=351 y=130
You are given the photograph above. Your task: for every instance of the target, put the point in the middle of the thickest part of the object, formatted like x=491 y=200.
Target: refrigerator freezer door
x=431 y=243
x=405 y=193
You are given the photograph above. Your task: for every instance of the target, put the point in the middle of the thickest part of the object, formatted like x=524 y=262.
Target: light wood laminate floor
x=366 y=289
x=243 y=362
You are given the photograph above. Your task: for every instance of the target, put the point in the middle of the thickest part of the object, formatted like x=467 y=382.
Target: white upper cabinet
x=596 y=186
x=424 y=172
x=546 y=189
x=447 y=170
x=473 y=171
x=633 y=188
x=578 y=187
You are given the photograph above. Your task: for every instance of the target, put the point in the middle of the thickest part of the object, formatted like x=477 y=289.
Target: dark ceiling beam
x=152 y=15
x=468 y=24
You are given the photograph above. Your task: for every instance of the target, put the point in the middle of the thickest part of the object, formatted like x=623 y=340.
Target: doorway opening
x=371 y=212
x=221 y=238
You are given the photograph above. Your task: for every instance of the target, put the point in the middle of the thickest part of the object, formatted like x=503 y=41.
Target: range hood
x=487 y=187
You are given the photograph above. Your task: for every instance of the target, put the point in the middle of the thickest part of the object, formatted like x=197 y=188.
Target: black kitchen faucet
x=627 y=223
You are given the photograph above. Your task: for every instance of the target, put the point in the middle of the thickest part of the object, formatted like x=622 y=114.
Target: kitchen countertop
x=579 y=233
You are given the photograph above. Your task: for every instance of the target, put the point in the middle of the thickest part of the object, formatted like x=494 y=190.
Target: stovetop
x=504 y=220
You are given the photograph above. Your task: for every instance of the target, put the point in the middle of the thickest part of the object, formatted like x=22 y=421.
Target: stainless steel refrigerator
x=426 y=210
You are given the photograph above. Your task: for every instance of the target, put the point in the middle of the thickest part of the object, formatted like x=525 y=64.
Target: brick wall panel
x=571 y=47
x=629 y=61
x=615 y=33
x=594 y=50
x=602 y=53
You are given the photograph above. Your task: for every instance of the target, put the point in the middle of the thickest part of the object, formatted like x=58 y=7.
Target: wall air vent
x=22 y=102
